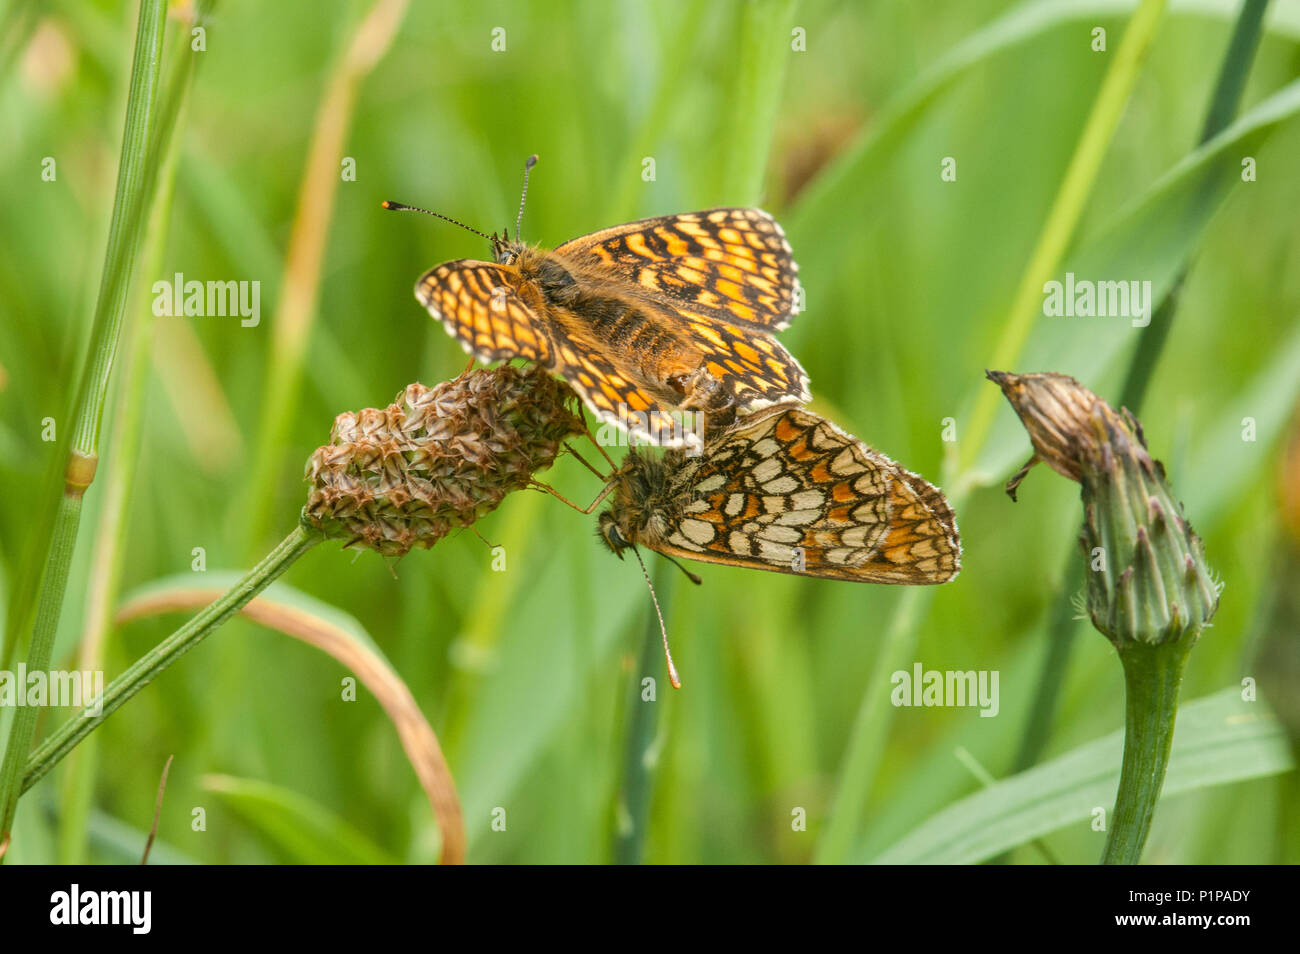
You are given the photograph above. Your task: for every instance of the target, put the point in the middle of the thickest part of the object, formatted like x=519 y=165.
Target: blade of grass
x=111 y=533
x=1221 y=739
x=130 y=209
x=867 y=739
x=301 y=827
x=640 y=748
x=320 y=625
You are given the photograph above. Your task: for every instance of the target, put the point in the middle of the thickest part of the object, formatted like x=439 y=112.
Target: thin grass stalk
x=640 y=760
x=871 y=725
x=130 y=209
x=105 y=576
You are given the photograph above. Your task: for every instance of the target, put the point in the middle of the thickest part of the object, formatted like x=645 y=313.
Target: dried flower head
x=1148 y=579
x=437 y=458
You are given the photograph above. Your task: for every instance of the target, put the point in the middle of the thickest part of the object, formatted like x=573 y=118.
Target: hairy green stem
x=1152 y=677
x=149 y=666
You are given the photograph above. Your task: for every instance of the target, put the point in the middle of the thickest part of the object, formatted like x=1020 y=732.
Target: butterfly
x=667 y=314
x=786 y=490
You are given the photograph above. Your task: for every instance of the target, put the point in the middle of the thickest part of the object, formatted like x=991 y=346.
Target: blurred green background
x=529 y=675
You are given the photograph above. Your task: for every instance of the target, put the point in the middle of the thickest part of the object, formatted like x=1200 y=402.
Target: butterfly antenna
x=403 y=207
x=672 y=669
x=528 y=167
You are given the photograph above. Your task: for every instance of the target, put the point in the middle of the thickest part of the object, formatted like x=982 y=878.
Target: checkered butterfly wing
x=726 y=279
x=479 y=305
x=789 y=491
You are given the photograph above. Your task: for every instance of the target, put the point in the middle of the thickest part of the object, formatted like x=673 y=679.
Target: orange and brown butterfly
x=668 y=314
x=786 y=490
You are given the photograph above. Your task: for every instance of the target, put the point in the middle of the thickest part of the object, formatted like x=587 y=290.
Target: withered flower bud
x=1148 y=579
x=437 y=458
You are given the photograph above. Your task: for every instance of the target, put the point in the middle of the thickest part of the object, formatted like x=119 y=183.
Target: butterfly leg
x=1014 y=483
x=559 y=496
x=583 y=461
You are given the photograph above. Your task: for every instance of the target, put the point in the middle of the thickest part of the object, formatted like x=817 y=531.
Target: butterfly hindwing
x=786 y=490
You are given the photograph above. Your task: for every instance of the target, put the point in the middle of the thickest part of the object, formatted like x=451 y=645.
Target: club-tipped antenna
x=403 y=207
x=528 y=167
x=672 y=669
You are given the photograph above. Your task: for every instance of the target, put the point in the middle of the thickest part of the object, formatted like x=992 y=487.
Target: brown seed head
x=437 y=458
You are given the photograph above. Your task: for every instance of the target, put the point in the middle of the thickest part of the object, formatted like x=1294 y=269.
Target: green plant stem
x=129 y=213
x=1063 y=628
x=149 y=666
x=110 y=541
x=639 y=761
x=1152 y=677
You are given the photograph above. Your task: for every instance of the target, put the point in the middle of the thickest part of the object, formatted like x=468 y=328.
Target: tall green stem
x=1152 y=677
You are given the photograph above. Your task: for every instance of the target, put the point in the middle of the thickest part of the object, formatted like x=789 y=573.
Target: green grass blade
x=135 y=176
x=1220 y=739
x=303 y=830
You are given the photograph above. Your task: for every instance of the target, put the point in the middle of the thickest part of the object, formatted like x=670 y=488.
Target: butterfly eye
x=612 y=535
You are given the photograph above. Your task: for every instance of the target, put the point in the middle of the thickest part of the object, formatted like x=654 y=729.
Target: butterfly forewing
x=479 y=305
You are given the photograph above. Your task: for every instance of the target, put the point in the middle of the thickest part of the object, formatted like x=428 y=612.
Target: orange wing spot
x=636 y=401
x=843 y=491
x=731 y=273
x=711 y=334
x=719 y=216
x=786 y=429
x=730 y=289
x=676 y=247
x=746 y=353
x=776 y=368
x=821 y=474
x=743 y=312
x=715 y=369
x=730 y=236
x=690 y=275
x=636 y=243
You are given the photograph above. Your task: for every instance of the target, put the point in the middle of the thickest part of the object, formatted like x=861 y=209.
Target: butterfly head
x=612 y=534
x=506 y=250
